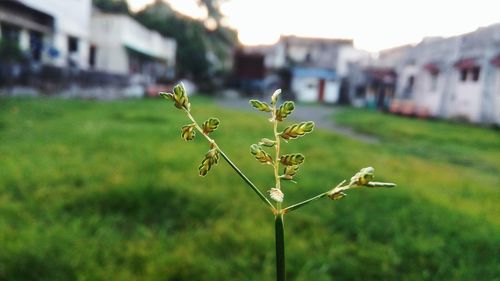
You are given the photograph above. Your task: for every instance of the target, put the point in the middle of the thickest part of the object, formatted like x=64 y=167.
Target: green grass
x=109 y=191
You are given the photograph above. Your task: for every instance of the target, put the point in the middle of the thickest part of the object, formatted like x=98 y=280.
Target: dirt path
x=320 y=114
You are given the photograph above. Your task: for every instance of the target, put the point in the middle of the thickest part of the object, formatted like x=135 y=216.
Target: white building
x=126 y=47
x=456 y=77
x=69 y=44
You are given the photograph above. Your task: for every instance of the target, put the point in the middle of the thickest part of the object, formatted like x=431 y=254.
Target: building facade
x=123 y=46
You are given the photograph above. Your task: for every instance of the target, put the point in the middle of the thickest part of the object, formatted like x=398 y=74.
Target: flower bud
x=210 y=125
x=211 y=158
x=262 y=106
x=267 y=142
x=297 y=130
x=285 y=109
x=363 y=177
x=274 y=97
x=188 y=132
x=292 y=159
x=179 y=97
x=260 y=154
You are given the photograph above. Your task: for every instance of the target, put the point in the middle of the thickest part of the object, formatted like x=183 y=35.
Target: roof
x=314 y=72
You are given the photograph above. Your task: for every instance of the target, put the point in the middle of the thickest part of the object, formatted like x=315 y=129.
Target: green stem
x=250 y=184
x=298 y=205
x=245 y=179
x=280 y=248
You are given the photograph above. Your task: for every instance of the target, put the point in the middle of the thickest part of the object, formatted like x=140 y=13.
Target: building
x=456 y=77
x=123 y=46
x=68 y=45
x=55 y=45
x=318 y=67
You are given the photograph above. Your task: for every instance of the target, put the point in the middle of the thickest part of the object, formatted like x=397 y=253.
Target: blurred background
x=96 y=183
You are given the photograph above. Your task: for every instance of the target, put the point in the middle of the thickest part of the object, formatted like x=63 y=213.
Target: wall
x=72 y=18
x=112 y=33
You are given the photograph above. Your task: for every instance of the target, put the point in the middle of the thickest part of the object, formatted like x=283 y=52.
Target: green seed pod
x=290 y=171
x=210 y=125
x=297 y=130
x=188 y=132
x=292 y=159
x=363 y=177
x=260 y=154
x=267 y=142
x=211 y=158
x=179 y=97
x=285 y=109
x=262 y=106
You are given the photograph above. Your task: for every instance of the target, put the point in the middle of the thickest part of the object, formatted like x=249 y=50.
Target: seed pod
x=188 y=132
x=276 y=194
x=260 y=154
x=210 y=125
x=292 y=159
x=363 y=177
x=267 y=142
x=211 y=158
x=297 y=130
x=262 y=106
x=289 y=172
x=285 y=109
x=179 y=97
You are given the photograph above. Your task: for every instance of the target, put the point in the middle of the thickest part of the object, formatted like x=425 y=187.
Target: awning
x=321 y=73
x=466 y=63
x=432 y=67
x=496 y=61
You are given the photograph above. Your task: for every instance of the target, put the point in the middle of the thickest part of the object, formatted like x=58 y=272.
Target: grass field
x=109 y=191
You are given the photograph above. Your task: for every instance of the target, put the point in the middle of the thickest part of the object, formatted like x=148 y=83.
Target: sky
x=374 y=25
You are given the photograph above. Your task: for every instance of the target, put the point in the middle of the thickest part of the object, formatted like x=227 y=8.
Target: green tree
x=112 y=6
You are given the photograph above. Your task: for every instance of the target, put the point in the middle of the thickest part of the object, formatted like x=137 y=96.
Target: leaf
x=260 y=154
x=188 y=132
x=297 y=130
x=292 y=159
x=210 y=125
x=285 y=109
x=262 y=106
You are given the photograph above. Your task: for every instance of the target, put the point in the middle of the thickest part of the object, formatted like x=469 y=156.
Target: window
x=434 y=81
x=475 y=73
x=72 y=44
x=92 y=55
x=36 y=45
x=463 y=75
x=470 y=74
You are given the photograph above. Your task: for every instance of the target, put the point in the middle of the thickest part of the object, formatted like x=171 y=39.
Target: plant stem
x=338 y=188
x=280 y=248
x=238 y=171
x=277 y=157
x=250 y=184
x=298 y=205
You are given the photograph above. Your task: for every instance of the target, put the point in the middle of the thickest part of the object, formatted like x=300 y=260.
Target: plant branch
x=338 y=188
x=280 y=248
x=236 y=169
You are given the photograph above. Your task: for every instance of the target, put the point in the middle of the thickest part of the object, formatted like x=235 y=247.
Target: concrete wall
x=113 y=33
x=72 y=18
x=307 y=89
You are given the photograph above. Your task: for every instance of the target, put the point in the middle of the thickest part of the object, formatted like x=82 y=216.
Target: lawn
x=109 y=191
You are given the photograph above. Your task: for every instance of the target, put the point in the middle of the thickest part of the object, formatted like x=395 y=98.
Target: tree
x=112 y=6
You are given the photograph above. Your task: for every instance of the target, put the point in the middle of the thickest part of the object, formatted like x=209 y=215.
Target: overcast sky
x=373 y=24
